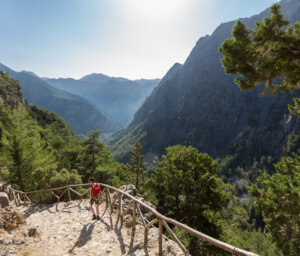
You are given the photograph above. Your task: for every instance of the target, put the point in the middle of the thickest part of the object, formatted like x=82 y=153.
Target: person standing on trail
x=95 y=197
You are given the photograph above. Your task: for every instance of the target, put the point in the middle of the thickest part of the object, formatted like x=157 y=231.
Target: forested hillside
x=39 y=150
x=118 y=97
x=198 y=104
x=81 y=114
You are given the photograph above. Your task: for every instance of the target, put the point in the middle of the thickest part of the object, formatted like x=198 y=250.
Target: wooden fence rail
x=163 y=221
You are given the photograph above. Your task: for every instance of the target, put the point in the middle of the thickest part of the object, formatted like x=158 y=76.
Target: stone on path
x=31 y=231
x=10 y=252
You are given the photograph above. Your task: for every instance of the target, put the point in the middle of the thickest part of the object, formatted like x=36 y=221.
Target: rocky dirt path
x=69 y=230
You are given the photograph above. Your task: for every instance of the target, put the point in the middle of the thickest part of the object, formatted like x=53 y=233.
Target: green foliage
x=95 y=160
x=135 y=171
x=278 y=197
x=295 y=109
x=91 y=155
x=243 y=228
x=25 y=150
x=39 y=150
x=264 y=54
x=255 y=241
x=186 y=188
x=64 y=177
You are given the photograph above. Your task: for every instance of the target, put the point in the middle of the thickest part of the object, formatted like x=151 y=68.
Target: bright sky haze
x=125 y=38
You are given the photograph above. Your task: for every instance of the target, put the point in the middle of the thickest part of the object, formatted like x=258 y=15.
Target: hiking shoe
x=98 y=218
x=94 y=217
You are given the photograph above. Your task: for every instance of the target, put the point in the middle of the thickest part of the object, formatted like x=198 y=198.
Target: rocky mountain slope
x=10 y=91
x=82 y=115
x=198 y=104
x=119 y=97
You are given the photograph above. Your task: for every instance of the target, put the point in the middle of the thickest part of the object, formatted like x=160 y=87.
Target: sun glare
x=156 y=8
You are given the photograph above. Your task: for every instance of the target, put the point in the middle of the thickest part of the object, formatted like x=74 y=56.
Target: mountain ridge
x=82 y=115
x=117 y=96
x=197 y=104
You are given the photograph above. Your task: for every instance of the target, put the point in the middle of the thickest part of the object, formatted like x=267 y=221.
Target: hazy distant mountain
x=119 y=97
x=82 y=115
x=198 y=104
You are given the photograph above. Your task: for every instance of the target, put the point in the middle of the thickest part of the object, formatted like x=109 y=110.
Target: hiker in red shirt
x=95 y=197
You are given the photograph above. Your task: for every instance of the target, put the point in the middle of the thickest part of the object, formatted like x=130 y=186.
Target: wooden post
x=63 y=193
x=56 y=196
x=29 y=201
x=19 y=200
x=152 y=222
x=14 y=197
x=141 y=215
x=106 y=198
x=109 y=199
x=69 y=195
x=174 y=237
x=120 y=207
x=134 y=214
x=75 y=192
x=160 y=237
x=22 y=197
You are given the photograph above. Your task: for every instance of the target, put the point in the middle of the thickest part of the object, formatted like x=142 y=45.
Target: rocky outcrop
x=4 y=200
x=10 y=218
x=10 y=91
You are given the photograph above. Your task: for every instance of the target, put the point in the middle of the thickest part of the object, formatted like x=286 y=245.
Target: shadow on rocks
x=85 y=236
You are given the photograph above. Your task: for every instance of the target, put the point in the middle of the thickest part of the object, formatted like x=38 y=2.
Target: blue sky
x=128 y=38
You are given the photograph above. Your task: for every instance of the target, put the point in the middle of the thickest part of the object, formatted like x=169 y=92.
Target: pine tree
x=186 y=188
x=5 y=123
x=136 y=169
x=268 y=54
x=25 y=150
x=92 y=149
x=278 y=198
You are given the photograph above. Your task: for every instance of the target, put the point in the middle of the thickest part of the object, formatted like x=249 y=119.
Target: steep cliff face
x=198 y=104
x=10 y=91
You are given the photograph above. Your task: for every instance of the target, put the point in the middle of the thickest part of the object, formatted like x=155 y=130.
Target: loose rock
x=10 y=252
x=32 y=231
x=7 y=241
x=19 y=240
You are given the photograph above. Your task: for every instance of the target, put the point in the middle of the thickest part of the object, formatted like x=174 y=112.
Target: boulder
x=130 y=189
x=4 y=201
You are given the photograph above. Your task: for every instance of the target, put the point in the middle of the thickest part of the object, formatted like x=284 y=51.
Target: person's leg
x=97 y=209
x=92 y=209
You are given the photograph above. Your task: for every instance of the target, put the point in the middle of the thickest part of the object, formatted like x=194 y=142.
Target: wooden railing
x=163 y=221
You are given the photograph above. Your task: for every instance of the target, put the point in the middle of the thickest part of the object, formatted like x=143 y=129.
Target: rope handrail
x=161 y=219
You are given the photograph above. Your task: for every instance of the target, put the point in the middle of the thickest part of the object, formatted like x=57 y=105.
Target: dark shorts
x=95 y=200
